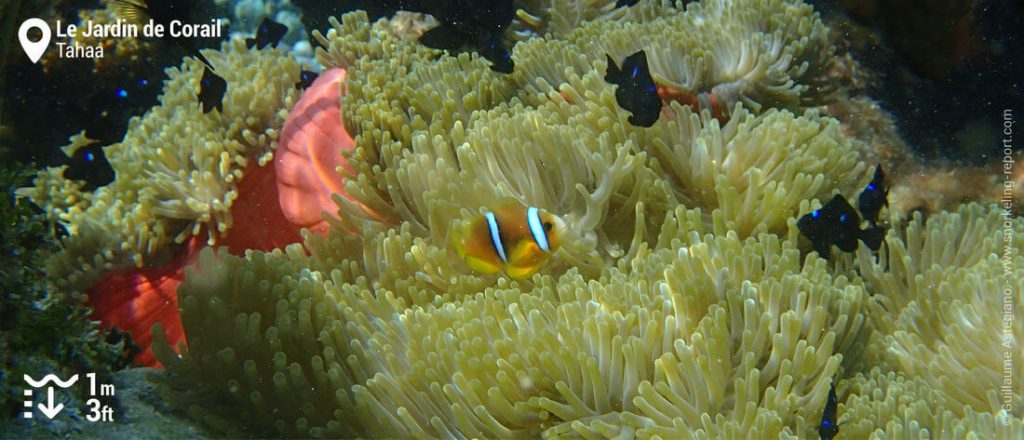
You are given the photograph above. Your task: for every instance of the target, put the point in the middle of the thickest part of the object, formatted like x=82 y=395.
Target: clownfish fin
x=520 y=272
x=526 y=253
x=481 y=265
x=467 y=245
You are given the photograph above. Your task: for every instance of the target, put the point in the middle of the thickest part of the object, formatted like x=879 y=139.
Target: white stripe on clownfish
x=540 y=236
x=492 y=226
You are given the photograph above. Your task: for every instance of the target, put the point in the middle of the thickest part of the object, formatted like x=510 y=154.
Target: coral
x=933 y=188
x=917 y=184
x=412 y=24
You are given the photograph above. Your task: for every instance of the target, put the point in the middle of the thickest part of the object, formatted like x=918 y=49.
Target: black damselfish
x=306 y=79
x=211 y=91
x=636 y=92
x=874 y=197
x=838 y=223
x=495 y=52
x=88 y=163
x=163 y=12
x=269 y=33
x=479 y=24
x=829 y=428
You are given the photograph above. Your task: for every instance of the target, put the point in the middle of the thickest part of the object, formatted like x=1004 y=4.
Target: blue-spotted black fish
x=494 y=51
x=306 y=79
x=837 y=223
x=269 y=33
x=874 y=197
x=89 y=163
x=211 y=91
x=164 y=12
x=512 y=237
x=635 y=91
x=828 y=427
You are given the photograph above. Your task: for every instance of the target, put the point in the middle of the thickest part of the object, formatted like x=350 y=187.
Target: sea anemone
x=310 y=153
x=185 y=178
x=383 y=333
x=682 y=302
x=945 y=291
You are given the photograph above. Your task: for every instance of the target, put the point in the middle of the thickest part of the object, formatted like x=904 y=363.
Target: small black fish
x=91 y=165
x=269 y=33
x=828 y=428
x=477 y=24
x=636 y=92
x=163 y=12
x=838 y=223
x=626 y=3
x=874 y=197
x=211 y=91
x=495 y=52
x=306 y=79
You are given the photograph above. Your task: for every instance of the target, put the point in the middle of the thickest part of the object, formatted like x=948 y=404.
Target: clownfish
x=512 y=237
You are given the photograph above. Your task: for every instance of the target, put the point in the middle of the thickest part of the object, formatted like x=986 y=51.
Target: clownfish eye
x=548 y=226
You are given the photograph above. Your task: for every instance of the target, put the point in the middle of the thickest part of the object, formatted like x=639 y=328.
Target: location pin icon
x=34 y=49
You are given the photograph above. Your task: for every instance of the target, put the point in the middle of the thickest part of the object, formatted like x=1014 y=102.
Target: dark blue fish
x=211 y=91
x=269 y=33
x=495 y=52
x=874 y=197
x=477 y=24
x=829 y=428
x=91 y=165
x=164 y=12
x=837 y=223
x=306 y=79
x=636 y=92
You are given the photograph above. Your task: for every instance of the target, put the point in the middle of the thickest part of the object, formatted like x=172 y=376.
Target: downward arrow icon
x=49 y=409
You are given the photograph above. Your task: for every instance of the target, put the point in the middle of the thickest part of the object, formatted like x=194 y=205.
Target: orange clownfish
x=513 y=237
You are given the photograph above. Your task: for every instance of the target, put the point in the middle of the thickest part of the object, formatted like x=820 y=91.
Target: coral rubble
x=682 y=302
